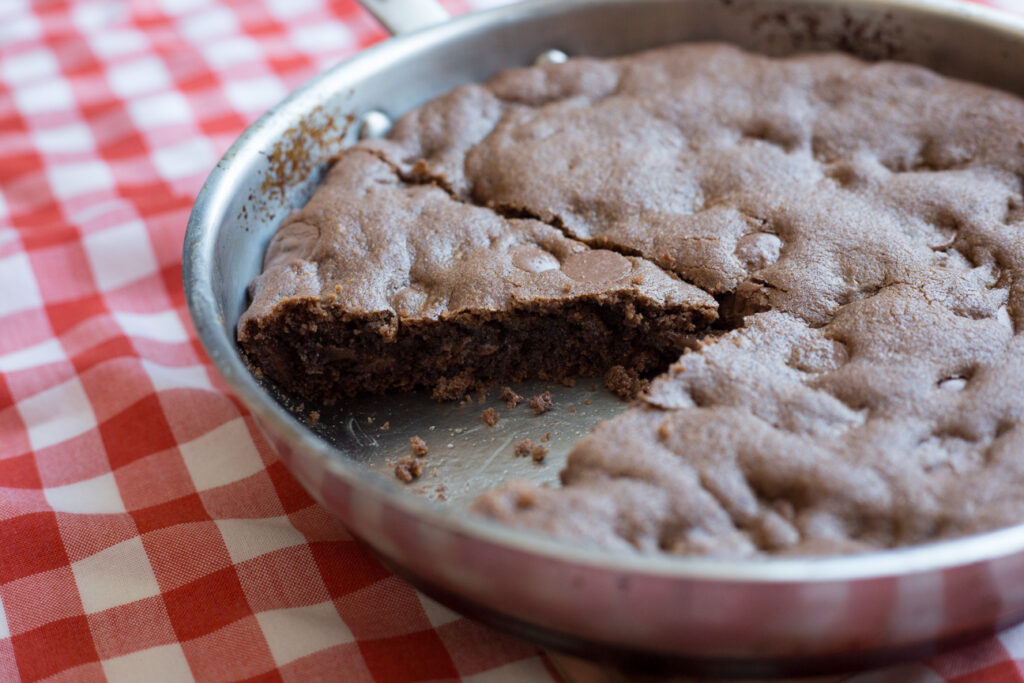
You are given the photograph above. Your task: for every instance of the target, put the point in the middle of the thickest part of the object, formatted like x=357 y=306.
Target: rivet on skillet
x=551 y=57
x=374 y=124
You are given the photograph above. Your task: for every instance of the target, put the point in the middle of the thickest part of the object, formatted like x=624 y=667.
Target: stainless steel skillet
x=730 y=617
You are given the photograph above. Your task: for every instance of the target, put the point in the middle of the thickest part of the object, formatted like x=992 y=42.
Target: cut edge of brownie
x=318 y=350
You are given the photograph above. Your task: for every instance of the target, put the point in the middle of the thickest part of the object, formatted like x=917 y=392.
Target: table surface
x=147 y=530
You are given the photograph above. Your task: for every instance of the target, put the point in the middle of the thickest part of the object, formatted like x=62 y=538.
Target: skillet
x=768 y=617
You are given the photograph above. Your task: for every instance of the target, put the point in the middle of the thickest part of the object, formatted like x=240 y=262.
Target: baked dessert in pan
x=821 y=256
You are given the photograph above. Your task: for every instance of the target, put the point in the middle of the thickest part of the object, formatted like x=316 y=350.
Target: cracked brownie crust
x=858 y=226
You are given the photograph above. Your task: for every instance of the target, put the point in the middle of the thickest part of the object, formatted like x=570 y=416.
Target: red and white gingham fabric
x=147 y=531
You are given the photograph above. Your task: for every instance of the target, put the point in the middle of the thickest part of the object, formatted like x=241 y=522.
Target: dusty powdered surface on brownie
x=862 y=224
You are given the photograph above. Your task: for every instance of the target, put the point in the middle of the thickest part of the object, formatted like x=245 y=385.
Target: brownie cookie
x=378 y=284
x=873 y=431
x=857 y=226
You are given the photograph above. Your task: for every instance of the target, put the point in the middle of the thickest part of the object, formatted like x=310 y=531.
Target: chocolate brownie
x=380 y=284
x=858 y=226
x=873 y=431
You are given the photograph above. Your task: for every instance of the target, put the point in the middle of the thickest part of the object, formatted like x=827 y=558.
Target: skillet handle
x=405 y=16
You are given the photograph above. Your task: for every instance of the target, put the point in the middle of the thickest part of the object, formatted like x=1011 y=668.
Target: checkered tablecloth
x=147 y=531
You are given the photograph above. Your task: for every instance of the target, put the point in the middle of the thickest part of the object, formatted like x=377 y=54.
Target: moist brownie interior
x=858 y=226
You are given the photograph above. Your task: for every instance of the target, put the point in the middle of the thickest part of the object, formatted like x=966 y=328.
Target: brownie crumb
x=569 y=382
x=409 y=468
x=314 y=417
x=489 y=416
x=572 y=410
x=528 y=448
x=624 y=383
x=523 y=448
x=385 y=427
x=546 y=437
x=419 y=446
x=587 y=402
x=511 y=398
x=542 y=403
